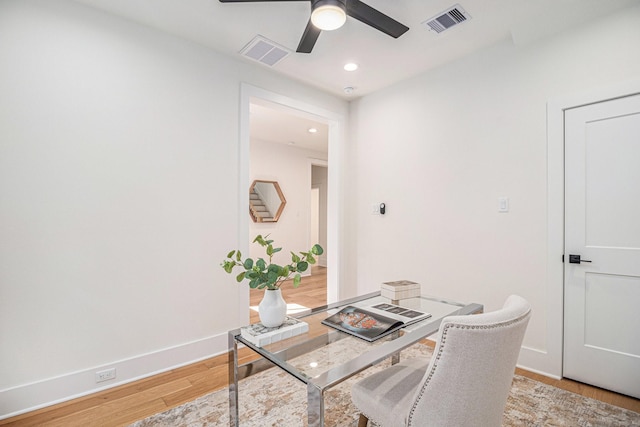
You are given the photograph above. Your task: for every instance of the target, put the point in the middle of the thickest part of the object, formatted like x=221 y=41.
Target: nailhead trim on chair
x=443 y=338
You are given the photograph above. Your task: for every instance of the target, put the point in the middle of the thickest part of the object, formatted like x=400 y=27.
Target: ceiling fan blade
x=309 y=38
x=378 y=20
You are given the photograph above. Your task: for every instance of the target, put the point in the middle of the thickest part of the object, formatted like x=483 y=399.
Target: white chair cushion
x=386 y=397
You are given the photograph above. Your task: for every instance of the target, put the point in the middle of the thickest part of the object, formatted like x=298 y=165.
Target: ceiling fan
x=331 y=14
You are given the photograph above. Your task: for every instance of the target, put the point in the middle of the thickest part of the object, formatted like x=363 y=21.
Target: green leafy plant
x=267 y=275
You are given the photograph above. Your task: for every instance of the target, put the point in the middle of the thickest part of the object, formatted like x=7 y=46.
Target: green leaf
x=254 y=283
x=317 y=250
x=269 y=250
x=273 y=277
x=240 y=277
x=228 y=266
x=248 y=264
x=238 y=256
x=275 y=268
x=261 y=264
x=259 y=240
x=296 y=280
x=276 y=250
x=230 y=254
x=285 y=271
x=295 y=258
x=302 y=266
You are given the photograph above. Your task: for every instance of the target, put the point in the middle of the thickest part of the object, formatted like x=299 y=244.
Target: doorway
x=602 y=245
x=549 y=358
x=319 y=197
x=253 y=96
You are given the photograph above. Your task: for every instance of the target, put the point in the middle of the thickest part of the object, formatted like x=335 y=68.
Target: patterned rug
x=274 y=398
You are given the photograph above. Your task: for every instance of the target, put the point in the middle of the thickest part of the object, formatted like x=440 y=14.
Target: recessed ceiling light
x=351 y=66
x=312 y=130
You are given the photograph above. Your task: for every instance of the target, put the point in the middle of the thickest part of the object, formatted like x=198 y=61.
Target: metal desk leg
x=315 y=406
x=234 y=421
x=395 y=357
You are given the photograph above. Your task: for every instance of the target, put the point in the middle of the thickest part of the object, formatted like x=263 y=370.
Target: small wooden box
x=400 y=289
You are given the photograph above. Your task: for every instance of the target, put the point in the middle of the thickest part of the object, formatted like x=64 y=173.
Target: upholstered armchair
x=465 y=383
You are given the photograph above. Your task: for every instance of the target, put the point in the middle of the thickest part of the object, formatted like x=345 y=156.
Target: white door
x=602 y=226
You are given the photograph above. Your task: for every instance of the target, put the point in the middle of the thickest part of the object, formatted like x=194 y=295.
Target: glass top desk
x=318 y=357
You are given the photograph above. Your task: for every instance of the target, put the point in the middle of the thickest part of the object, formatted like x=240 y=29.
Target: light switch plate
x=503 y=204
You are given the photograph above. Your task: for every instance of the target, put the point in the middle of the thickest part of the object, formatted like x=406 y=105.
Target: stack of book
x=260 y=335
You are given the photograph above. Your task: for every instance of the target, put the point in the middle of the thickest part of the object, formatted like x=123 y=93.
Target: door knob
x=575 y=259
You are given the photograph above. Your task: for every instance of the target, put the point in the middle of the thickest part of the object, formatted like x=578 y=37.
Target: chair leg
x=363 y=421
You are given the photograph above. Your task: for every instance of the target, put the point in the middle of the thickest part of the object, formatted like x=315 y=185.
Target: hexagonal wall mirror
x=266 y=201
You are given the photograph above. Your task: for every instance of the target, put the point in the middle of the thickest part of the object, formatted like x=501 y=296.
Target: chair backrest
x=469 y=376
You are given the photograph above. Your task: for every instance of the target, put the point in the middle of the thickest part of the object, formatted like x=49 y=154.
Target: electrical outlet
x=106 y=375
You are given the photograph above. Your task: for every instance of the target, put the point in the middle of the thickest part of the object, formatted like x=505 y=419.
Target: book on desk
x=374 y=322
x=260 y=335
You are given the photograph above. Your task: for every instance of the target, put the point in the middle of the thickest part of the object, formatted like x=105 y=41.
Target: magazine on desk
x=375 y=321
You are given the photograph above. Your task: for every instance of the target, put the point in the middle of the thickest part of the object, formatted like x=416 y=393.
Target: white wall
x=291 y=167
x=118 y=198
x=439 y=150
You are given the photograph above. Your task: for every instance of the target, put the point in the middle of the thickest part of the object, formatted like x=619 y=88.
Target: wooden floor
x=128 y=403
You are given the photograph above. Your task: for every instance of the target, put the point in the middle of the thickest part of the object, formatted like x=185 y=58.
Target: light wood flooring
x=125 y=404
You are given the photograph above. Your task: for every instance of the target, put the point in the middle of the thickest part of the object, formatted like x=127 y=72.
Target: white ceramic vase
x=272 y=308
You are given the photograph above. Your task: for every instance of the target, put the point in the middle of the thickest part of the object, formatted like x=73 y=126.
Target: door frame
x=550 y=361
x=324 y=164
x=337 y=126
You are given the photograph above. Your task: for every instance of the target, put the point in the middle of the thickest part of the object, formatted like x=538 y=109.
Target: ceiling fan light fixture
x=328 y=15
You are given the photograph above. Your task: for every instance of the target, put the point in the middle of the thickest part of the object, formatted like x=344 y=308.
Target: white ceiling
x=276 y=124
x=383 y=60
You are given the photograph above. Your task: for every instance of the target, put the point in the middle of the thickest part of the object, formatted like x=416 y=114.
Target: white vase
x=272 y=308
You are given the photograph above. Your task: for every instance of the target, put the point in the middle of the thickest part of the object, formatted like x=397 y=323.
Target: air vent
x=265 y=51
x=445 y=20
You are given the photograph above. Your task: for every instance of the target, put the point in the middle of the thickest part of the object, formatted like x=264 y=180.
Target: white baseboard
x=540 y=362
x=28 y=397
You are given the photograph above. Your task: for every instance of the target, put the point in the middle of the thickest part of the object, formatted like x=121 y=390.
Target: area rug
x=274 y=398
